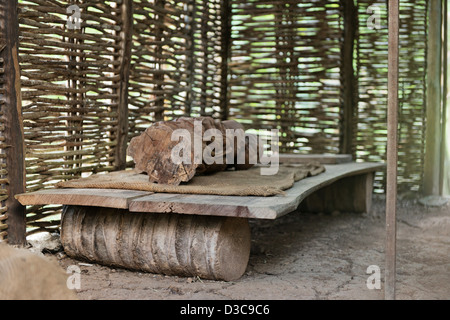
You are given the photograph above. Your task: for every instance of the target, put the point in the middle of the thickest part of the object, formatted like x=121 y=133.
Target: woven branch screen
x=269 y=64
x=176 y=61
x=372 y=55
x=3 y=170
x=69 y=92
x=284 y=71
x=70 y=81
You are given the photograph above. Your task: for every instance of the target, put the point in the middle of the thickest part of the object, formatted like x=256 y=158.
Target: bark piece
x=152 y=150
x=216 y=248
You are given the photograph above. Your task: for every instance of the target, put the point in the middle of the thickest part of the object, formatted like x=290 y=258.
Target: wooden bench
x=194 y=235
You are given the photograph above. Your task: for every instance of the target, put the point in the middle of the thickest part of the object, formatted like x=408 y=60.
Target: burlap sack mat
x=228 y=183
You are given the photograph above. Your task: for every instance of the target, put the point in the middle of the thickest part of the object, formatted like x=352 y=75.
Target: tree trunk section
x=216 y=248
x=152 y=150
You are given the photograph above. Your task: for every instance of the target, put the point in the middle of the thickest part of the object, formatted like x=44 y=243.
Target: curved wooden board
x=110 y=198
x=250 y=207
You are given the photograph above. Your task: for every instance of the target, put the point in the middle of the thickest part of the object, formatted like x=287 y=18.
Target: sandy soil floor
x=306 y=256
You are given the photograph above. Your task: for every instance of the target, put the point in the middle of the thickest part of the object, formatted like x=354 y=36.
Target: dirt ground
x=305 y=256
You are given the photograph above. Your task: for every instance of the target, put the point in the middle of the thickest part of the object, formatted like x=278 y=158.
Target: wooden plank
x=110 y=198
x=444 y=140
x=322 y=158
x=13 y=141
x=392 y=150
x=250 y=207
x=232 y=206
x=446 y=112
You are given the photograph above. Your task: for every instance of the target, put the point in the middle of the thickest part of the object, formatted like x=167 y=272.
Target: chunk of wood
x=350 y=194
x=348 y=199
x=110 y=198
x=153 y=150
x=255 y=207
x=216 y=248
x=28 y=276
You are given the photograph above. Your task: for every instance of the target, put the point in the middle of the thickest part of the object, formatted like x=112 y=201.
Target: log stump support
x=350 y=194
x=215 y=248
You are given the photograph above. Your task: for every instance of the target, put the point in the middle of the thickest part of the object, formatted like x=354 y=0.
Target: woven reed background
x=285 y=68
x=176 y=61
x=70 y=82
x=3 y=169
x=69 y=94
x=268 y=64
x=372 y=59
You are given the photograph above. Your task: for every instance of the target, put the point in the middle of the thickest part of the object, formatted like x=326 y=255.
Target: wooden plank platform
x=203 y=235
x=108 y=198
x=230 y=206
x=251 y=207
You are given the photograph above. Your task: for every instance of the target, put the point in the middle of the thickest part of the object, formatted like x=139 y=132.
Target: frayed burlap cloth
x=228 y=183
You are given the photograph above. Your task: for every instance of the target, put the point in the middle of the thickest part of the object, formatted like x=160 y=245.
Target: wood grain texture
x=152 y=151
x=250 y=207
x=125 y=42
x=392 y=150
x=110 y=198
x=214 y=248
x=349 y=103
x=212 y=205
x=12 y=142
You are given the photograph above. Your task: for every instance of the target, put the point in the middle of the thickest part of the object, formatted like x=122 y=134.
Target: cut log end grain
x=152 y=154
x=215 y=248
x=152 y=150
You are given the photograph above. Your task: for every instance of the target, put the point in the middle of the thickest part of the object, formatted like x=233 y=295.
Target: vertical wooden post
x=225 y=53
x=444 y=182
x=190 y=59
x=432 y=167
x=348 y=77
x=392 y=155
x=204 y=39
x=12 y=119
x=159 y=77
x=126 y=35
x=446 y=111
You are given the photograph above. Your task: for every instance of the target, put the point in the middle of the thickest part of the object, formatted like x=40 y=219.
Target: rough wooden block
x=216 y=248
x=350 y=194
x=111 y=198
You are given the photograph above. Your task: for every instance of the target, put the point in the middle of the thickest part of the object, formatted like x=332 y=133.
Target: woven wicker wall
x=269 y=64
x=176 y=61
x=69 y=93
x=160 y=62
x=70 y=81
x=285 y=71
x=372 y=55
